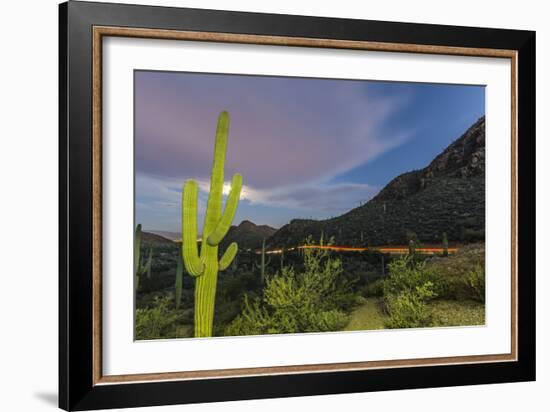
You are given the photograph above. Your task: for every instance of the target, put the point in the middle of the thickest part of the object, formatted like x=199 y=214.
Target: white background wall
x=28 y=203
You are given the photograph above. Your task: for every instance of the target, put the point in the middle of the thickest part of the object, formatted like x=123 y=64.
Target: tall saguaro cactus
x=140 y=269
x=263 y=263
x=205 y=266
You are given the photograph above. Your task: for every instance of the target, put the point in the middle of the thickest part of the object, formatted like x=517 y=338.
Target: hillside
x=173 y=236
x=148 y=238
x=446 y=196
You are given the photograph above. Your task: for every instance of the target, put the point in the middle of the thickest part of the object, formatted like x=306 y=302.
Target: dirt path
x=445 y=313
x=367 y=317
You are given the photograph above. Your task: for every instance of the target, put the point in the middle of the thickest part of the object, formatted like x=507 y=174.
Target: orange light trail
x=396 y=250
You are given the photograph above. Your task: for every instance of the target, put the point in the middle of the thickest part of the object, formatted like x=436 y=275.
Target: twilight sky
x=307 y=148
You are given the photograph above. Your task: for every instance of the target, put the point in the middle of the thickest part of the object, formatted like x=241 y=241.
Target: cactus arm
x=213 y=207
x=179 y=280
x=190 y=254
x=228 y=256
x=224 y=223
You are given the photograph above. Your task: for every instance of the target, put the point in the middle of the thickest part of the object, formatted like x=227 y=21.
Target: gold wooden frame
x=101 y=31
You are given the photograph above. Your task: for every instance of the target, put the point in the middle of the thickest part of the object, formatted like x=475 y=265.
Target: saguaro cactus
x=205 y=266
x=140 y=269
x=235 y=264
x=263 y=263
x=445 y=244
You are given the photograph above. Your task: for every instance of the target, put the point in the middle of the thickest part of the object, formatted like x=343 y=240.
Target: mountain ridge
x=448 y=195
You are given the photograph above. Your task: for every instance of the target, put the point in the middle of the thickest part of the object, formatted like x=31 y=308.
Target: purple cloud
x=284 y=131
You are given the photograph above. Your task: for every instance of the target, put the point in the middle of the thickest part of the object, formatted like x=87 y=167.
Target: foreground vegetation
x=315 y=299
x=319 y=290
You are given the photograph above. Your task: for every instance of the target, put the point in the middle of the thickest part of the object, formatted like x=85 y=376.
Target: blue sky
x=307 y=148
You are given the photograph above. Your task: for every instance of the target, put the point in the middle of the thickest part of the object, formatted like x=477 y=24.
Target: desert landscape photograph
x=280 y=205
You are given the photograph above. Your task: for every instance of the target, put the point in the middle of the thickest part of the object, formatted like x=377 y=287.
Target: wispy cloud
x=283 y=131
x=289 y=138
x=159 y=199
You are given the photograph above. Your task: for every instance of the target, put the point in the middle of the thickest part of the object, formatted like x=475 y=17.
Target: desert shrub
x=461 y=276
x=159 y=321
x=409 y=309
x=374 y=288
x=475 y=283
x=472 y=235
x=312 y=300
x=232 y=288
x=407 y=290
x=225 y=311
x=464 y=286
x=406 y=274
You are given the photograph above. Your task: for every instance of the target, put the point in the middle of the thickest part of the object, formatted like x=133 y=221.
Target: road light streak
x=393 y=250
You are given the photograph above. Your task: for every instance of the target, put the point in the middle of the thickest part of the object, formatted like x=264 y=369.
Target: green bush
x=409 y=309
x=410 y=285
x=462 y=275
x=313 y=300
x=160 y=321
x=462 y=283
x=475 y=283
x=406 y=274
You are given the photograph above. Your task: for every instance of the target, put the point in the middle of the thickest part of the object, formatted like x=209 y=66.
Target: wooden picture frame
x=82 y=384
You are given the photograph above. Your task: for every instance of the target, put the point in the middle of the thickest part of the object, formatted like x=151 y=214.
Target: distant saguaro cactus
x=140 y=269
x=263 y=263
x=445 y=244
x=235 y=264
x=205 y=266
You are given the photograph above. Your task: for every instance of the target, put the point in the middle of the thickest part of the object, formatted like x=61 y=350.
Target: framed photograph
x=257 y=205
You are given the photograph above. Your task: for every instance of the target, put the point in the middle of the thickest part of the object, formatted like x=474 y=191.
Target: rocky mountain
x=446 y=196
x=248 y=235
